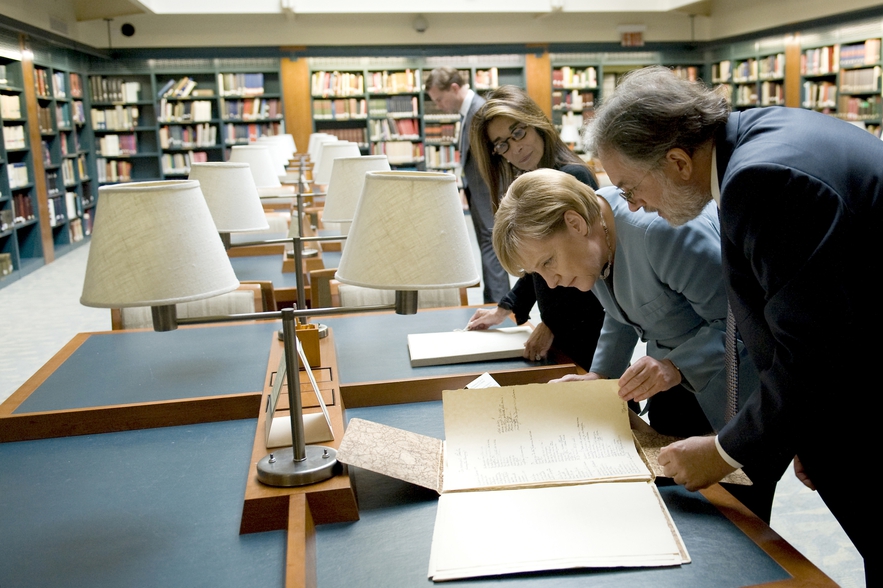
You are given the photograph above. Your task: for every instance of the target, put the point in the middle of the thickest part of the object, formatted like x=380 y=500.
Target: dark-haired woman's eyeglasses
x=518 y=133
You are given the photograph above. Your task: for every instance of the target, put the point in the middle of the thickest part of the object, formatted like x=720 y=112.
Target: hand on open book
x=646 y=377
x=539 y=342
x=485 y=318
x=801 y=474
x=694 y=463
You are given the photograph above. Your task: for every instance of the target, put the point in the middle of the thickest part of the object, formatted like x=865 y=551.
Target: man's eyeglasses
x=628 y=195
x=518 y=133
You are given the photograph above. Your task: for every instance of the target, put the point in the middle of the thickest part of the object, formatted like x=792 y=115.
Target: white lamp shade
x=569 y=134
x=345 y=187
x=315 y=140
x=409 y=233
x=316 y=154
x=278 y=153
x=258 y=157
x=331 y=151
x=283 y=143
x=153 y=244
x=231 y=195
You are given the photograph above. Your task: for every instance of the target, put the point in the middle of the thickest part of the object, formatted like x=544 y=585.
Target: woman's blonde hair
x=514 y=103
x=533 y=209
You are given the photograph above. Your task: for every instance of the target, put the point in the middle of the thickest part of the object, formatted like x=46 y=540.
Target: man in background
x=451 y=93
x=801 y=207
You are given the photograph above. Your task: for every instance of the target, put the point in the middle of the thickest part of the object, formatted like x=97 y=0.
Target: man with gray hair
x=451 y=93
x=801 y=207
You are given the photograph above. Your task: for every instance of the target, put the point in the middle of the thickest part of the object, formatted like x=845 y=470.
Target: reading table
x=113 y=500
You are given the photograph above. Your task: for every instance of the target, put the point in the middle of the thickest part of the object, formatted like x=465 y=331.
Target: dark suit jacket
x=801 y=212
x=477 y=187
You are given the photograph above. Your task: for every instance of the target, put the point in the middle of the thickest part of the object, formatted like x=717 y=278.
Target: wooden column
x=35 y=140
x=538 y=71
x=296 y=95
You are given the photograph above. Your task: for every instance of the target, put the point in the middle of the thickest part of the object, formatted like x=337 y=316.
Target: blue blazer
x=668 y=290
x=802 y=213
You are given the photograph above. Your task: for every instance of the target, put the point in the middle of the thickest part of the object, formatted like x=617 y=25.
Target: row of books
x=384 y=82
x=866 y=108
x=359 y=135
x=574 y=100
x=63 y=208
x=241 y=84
x=42 y=83
x=67 y=172
x=76 y=85
x=487 y=78
x=570 y=77
x=10 y=106
x=78 y=112
x=772 y=93
x=867 y=53
x=44 y=119
x=179 y=163
x=442 y=133
x=47 y=153
x=195 y=111
x=745 y=71
x=820 y=61
x=721 y=72
x=394 y=129
x=7 y=219
x=856 y=81
x=110 y=171
x=14 y=137
x=121 y=118
x=80 y=227
x=771 y=67
x=114 y=90
x=343 y=109
x=177 y=88
x=52 y=187
x=184 y=137
x=18 y=175
x=686 y=72
x=65 y=147
x=819 y=95
x=118 y=145
x=399 y=152
x=253 y=109
x=5 y=258
x=22 y=207
x=745 y=96
x=395 y=105
x=240 y=134
x=442 y=156
x=63 y=116
x=335 y=83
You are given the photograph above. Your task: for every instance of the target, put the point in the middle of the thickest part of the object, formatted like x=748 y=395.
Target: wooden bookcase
x=380 y=104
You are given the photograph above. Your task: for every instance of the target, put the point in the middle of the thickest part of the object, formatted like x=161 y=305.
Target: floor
x=41 y=312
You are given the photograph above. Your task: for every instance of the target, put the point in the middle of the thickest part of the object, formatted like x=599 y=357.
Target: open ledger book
x=536 y=477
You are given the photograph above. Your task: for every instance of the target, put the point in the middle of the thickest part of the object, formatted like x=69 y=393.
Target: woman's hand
x=537 y=345
x=646 y=377
x=485 y=318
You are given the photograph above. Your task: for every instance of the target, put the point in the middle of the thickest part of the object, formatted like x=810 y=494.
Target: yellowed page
x=539 y=434
x=535 y=529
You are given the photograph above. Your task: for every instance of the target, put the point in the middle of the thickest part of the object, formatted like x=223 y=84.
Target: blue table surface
x=127 y=367
x=269 y=267
x=390 y=545
x=156 y=507
x=374 y=347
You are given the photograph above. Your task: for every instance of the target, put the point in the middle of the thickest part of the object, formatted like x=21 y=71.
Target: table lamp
x=316 y=153
x=232 y=197
x=284 y=144
x=155 y=244
x=408 y=234
x=345 y=187
x=265 y=173
x=329 y=152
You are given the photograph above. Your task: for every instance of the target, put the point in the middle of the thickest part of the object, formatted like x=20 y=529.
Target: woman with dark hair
x=510 y=135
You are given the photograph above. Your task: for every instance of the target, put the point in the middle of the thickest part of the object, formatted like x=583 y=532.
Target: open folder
x=531 y=478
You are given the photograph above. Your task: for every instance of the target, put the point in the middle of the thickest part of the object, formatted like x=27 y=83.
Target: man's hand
x=485 y=318
x=537 y=345
x=694 y=463
x=646 y=377
x=801 y=474
x=578 y=377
